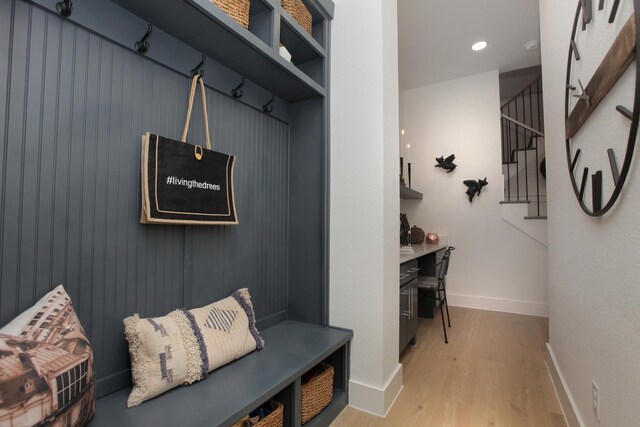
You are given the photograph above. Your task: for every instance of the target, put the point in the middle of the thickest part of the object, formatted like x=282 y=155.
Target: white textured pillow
x=184 y=346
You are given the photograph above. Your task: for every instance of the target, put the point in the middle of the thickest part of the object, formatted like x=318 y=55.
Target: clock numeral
x=574 y=48
x=625 y=112
x=586 y=13
x=583 y=185
x=614 y=166
x=614 y=11
x=601 y=5
x=596 y=191
x=571 y=87
x=575 y=160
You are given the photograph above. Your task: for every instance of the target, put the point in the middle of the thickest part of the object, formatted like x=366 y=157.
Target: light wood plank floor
x=492 y=373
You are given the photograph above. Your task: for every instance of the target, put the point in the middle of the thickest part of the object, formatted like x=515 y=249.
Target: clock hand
x=583 y=95
x=615 y=63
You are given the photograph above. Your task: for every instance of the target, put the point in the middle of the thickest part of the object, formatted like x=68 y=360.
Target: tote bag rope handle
x=192 y=94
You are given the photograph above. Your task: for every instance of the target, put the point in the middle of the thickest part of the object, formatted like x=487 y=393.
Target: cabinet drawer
x=408 y=266
x=408 y=271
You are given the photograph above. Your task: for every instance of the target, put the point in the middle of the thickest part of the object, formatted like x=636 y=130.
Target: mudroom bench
x=229 y=393
x=270 y=112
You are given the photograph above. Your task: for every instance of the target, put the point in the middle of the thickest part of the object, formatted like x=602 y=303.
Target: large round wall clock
x=602 y=100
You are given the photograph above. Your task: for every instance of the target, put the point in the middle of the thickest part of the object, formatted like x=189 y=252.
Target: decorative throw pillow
x=185 y=345
x=46 y=366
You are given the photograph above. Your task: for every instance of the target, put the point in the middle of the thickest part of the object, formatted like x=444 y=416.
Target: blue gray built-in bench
x=77 y=97
x=291 y=349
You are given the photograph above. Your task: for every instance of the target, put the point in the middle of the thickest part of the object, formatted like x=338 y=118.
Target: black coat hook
x=143 y=44
x=237 y=92
x=64 y=7
x=268 y=107
x=198 y=68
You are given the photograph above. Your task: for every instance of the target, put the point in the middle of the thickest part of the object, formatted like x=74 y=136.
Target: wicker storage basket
x=300 y=13
x=274 y=419
x=317 y=393
x=236 y=9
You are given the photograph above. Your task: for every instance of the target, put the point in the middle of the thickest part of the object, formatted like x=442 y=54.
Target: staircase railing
x=522 y=126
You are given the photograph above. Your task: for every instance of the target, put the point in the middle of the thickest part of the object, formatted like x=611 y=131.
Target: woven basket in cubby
x=238 y=10
x=300 y=13
x=317 y=393
x=274 y=419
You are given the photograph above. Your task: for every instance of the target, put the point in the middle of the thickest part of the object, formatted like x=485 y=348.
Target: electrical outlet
x=595 y=390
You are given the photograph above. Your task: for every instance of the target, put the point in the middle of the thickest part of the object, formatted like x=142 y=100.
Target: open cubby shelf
x=318 y=20
x=260 y=22
x=251 y=52
x=306 y=54
x=293 y=36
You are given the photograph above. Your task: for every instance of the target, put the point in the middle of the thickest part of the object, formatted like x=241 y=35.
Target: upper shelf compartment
x=250 y=53
x=306 y=54
x=317 y=29
x=307 y=49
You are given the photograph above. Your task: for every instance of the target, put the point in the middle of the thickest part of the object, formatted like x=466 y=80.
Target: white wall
x=495 y=266
x=364 y=258
x=594 y=273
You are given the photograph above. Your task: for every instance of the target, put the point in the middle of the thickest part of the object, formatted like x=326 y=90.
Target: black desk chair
x=438 y=286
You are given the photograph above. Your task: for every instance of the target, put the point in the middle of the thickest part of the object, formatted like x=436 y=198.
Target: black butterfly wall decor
x=474 y=187
x=447 y=163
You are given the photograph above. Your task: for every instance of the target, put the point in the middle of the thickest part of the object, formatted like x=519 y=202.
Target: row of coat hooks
x=142 y=46
x=65 y=8
x=237 y=91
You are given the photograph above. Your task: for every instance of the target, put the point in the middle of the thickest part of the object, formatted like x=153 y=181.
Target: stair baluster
x=522 y=130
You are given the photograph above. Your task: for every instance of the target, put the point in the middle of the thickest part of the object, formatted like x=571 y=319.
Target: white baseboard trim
x=569 y=408
x=529 y=308
x=374 y=400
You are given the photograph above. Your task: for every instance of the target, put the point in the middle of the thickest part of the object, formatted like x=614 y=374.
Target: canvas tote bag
x=184 y=183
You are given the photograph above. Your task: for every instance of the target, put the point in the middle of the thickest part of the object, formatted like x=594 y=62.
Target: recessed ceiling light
x=479 y=45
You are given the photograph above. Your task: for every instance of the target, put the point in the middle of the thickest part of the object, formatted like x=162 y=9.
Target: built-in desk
x=424 y=249
x=416 y=302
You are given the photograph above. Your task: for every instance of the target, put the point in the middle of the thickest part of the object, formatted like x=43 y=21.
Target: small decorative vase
x=417 y=235
x=432 y=239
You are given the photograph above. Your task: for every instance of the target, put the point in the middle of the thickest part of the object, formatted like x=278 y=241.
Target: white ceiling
x=435 y=38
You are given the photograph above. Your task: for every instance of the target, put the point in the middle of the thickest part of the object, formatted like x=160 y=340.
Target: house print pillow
x=46 y=366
